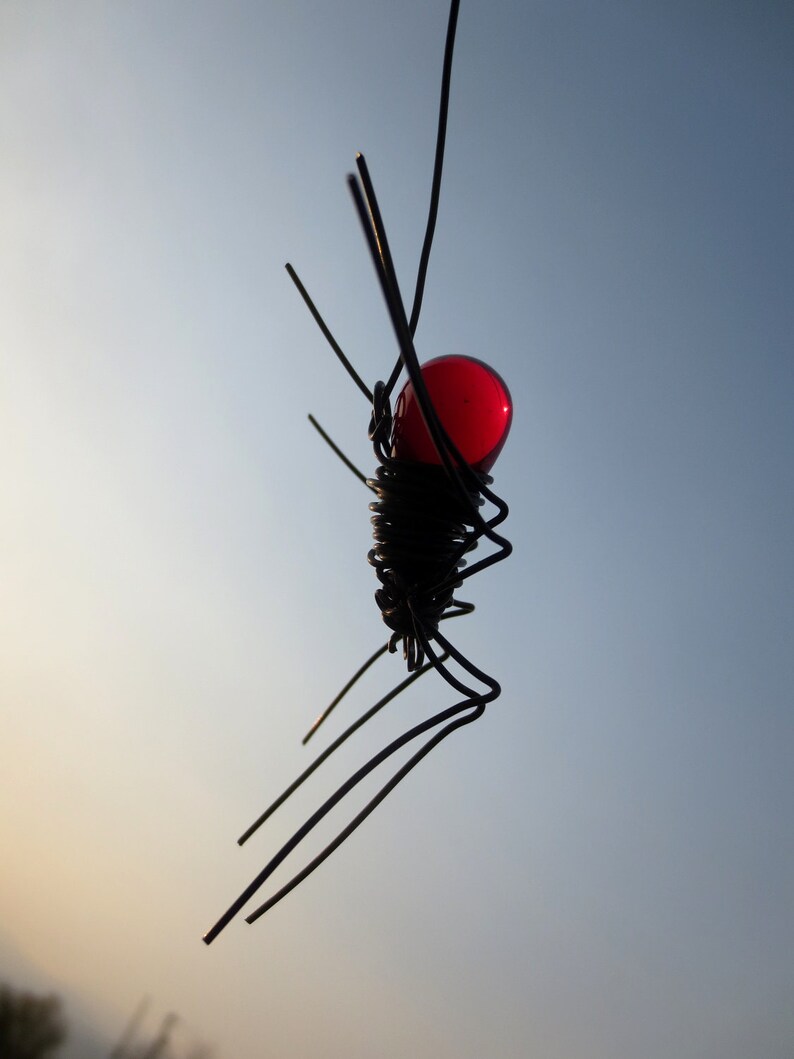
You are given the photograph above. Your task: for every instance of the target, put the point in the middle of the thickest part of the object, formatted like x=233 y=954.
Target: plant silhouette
x=31 y=1026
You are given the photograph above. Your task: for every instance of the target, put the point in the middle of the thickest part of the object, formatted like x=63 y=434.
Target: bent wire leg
x=325 y=808
x=334 y=746
x=335 y=702
x=477 y=711
x=475 y=703
x=461 y=609
x=473 y=700
x=438 y=164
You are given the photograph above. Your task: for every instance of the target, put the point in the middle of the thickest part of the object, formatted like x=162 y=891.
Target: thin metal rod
x=462 y=609
x=372 y=225
x=359 y=673
x=332 y=444
x=360 y=817
x=351 y=371
x=474 y=701
x=438 y=165
x=370 y=713
x=463 y=662
x=329 y=804
x=378 y=229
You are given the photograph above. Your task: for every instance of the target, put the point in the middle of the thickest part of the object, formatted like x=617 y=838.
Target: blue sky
x=603 y=865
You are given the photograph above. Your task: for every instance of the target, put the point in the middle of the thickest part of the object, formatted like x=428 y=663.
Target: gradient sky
x=601 y=867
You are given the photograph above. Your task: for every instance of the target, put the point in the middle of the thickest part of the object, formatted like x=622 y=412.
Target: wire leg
x=446 y=77
x=478 y=710
x=351 y=371
x=334 y=746
x=329 y=804
x=477 y=703
x=473 y=701
x=356 y=676
x=461 y=609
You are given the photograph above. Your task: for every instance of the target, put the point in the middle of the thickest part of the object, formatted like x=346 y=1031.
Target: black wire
x=369 y=808
x=335 y=448
x=351 y=371
x=474 y=701
x=336 y=743
x=461 y=609
x=438 y=165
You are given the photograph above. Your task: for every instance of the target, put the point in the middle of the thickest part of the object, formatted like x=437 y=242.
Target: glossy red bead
x=473 y=404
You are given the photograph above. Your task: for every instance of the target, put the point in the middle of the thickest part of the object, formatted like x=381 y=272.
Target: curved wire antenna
x=351 y=371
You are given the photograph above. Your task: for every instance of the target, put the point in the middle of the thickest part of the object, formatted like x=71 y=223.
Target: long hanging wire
x=473 y=704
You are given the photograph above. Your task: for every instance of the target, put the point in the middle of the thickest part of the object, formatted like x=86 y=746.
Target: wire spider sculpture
x=434 y=451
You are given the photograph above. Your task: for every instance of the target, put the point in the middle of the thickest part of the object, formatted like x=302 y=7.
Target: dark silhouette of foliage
x=30 y=1026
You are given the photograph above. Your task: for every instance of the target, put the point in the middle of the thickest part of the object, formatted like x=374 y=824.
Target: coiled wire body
x=422 y=526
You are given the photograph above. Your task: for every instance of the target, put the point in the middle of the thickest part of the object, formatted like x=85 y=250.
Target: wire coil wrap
x=422 y=527
x=421 y=530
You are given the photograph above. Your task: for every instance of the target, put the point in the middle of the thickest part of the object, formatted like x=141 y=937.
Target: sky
x=603 y=865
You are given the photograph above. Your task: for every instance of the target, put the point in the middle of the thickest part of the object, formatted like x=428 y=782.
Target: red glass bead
x=473 y=404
